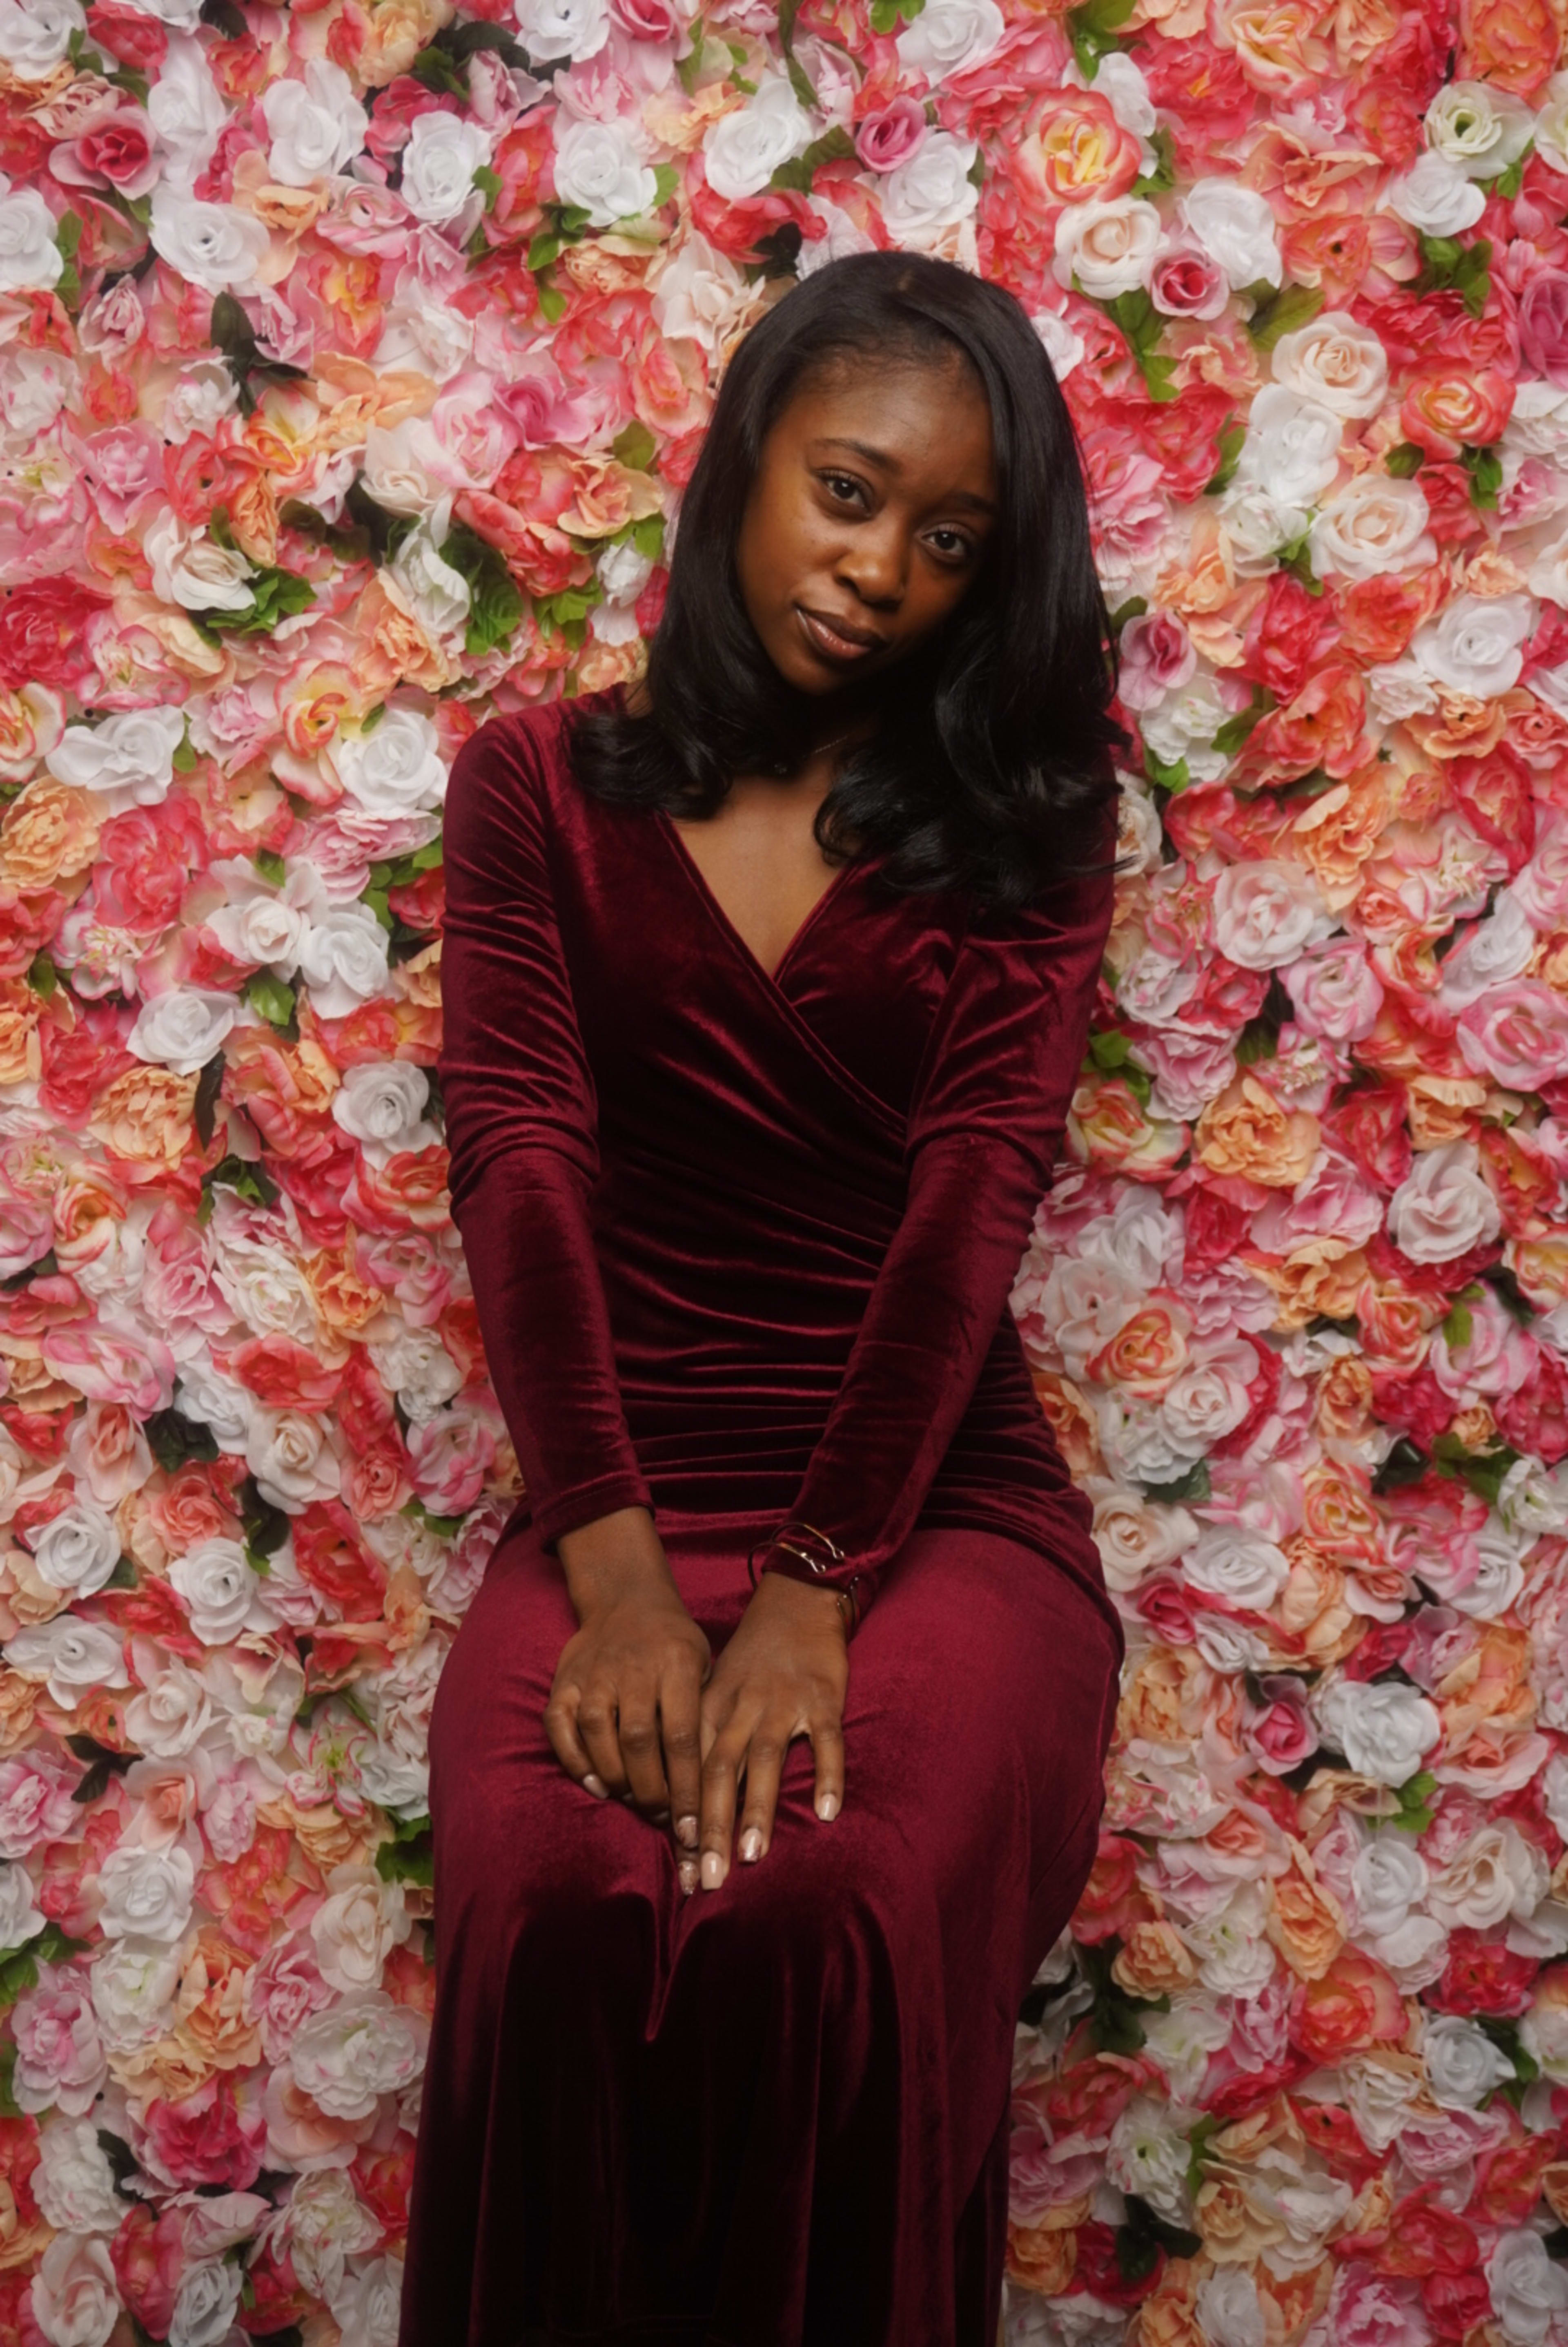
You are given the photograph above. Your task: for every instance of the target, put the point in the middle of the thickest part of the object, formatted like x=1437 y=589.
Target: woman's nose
x=876 y=565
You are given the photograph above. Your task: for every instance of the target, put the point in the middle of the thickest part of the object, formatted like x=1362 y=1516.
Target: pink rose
x=1186 y=282
x=35 y=1803
x=1336 y=1200
x=542 y=409
x=115 y=153
x=645 y=20
x=1541 y=889
x=1495 y=1358
x=1336 y=991
x=122 y=465
x=1544 y=325
x=283 y=1990
x=1156 y=657
x=891 y=135
x=1368 y=2310
x=60 y=2059
x=1517 y=1032
x=215 y=2136
x=1279 y=1732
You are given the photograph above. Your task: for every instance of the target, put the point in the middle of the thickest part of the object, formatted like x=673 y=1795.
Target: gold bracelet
x=851 y=1602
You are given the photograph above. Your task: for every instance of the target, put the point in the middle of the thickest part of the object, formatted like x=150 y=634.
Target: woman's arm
x=624 y=1713
x=986 y=1123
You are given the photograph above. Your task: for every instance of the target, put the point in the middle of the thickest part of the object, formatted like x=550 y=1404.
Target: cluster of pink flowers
x=352 y=359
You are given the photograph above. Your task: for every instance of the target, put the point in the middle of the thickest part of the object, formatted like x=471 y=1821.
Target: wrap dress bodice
x=742 y=1242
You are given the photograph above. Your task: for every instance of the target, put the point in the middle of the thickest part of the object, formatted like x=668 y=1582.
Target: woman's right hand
x=625 y=1711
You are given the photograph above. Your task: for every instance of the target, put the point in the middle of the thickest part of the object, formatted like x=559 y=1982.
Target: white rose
x=186 y=110
x=1492 y=1877
x=183 y=1029
x=20 y=1918
x=205 y=2303
x=130 y=755
x=1335 y=361
x=932 y=192
x=1268 y=912
x=1552 y=124
x=741 y=151
x=33 y=387
x=215 y=246
x=1373 y=528
x=166 y=1718
x=133 y=1985
x=1475 y=646
x=1149 y=2155
x=222 y=1593
x=1119 y=80
x=1208 y=1397
x=1388 y=1878
x=78 y=1549
x=1399 y=689
x=73 y=2183
x=1136 y=1537
x=318 y=125
x=1384 y=1732
x=1435 y=197
x=366 y=2306
x=291 y=1458
x=357 y=1926
x=394 y=769
x=343 y=960
x=381 y=1103
x=147 y=1893
x=191 y=569
x=1063 y=343
x=949 y=34
x=74 y=2299
x=443 y=153
x=1444 y=1208
x=696 y=291
x=416 y=1365
x=1229 y=2311
x=36 y=34
x=1463 y=2065
x=1110 y=244
x=68 y=1655
x=29 y=257
x=1236 y=228
x=1291 y=448
x=623 y=573
x=1527 y=2292
x=1240 y=1567
x=328 y=2224
x=349 y=2054
x=1257 y=522
x=1479 y=128
x=597 y=167
x=203 y=395
x=438 y=595
x=563 y=28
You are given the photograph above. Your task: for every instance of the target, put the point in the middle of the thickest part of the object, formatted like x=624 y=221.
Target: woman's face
x=868 y=517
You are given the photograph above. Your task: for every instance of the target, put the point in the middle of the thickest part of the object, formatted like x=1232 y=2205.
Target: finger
x=828 y=1744
x=764 y=1765
x=640 y=1754
x=719 y=1772
x=561 y=1728
x=680 y=1706
x=598 y=1732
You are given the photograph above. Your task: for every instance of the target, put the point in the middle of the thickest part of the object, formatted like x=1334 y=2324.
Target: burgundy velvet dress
x=741 y=1247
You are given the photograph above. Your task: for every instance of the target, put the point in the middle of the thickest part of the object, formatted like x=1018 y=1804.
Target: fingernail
x=686 y=1832
x=712 y=1869
x=687 y=1870
x=596 y=1784
x=751 y=1844
x=828 y=1807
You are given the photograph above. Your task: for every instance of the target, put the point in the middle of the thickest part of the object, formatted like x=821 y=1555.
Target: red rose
x=1283 y=636
x=1416 y=1406
x=1535 y=1417
x=43 y=631
x=1482 y=1976
x=117 y=150
x=129 y=34
x=1456 y=2303
x=1497 y=795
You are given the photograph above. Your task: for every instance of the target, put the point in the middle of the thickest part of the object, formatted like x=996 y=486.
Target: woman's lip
x=826 y=640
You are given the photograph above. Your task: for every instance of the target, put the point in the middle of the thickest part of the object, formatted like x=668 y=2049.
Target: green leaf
x=552 y=304
x=495 y=603
x=489 y=184
x=1292 y=306
x=1093 y=29
x=1109 y=1050
x=204 y=1108
x=1485 y=469
x=235 y=1173
x=1508 y=184
x=1162 y=179
x=271 y=997
x=10 y=2108
x=544 y=249
x=635 y=447
x=42 y=974
x=1404 y=460
x=1405 y=1464
x=1193 y=1486
x=647 y=537
x=800 y=79
x=271 y=865
x=274 y=595
x=1166 y=778
x=436 y=70
x=666 y=179
x=1259 y=1039
x=1236 y=730
x=1459 y=1323
x=1232 y=439
x=690 y=65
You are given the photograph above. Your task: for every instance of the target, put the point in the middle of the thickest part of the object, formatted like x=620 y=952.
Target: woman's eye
x=842 y=484
x=954 y=544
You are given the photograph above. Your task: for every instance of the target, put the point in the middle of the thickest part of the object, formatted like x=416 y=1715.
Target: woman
x=764 y=991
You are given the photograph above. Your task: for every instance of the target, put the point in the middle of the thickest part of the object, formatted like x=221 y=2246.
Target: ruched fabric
x=741 y=1245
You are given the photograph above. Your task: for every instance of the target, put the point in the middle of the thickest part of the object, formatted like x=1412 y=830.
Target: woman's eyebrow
x=888 y=463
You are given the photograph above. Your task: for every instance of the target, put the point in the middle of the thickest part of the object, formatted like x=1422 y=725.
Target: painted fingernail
x=712 y=1869
x=751 y=1844
x=686 y=1832
x=828 y=1807
x=687 y=1870
x=596 y=1786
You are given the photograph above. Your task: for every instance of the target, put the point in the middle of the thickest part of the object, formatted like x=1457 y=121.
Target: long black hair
x=992 y=763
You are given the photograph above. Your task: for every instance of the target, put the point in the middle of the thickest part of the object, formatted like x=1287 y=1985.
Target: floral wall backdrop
x=352 y=358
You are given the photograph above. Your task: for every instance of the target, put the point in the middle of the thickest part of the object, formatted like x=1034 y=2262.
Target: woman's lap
x=858 y=1983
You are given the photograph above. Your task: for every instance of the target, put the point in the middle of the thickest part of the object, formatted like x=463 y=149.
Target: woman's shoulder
x=526 y=750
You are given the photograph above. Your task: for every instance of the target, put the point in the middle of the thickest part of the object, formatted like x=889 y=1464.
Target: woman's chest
x=673 y=1003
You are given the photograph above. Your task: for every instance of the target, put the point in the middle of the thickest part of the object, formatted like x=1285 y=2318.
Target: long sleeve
x=521 y=1117
x=985 y=1124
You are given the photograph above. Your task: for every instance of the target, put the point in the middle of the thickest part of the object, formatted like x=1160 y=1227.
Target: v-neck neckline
x=772 y=977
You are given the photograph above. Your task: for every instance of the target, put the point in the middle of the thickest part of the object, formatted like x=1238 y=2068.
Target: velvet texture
x=741 y=1246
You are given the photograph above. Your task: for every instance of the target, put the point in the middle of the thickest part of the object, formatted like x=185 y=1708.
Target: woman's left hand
x=784 y=1673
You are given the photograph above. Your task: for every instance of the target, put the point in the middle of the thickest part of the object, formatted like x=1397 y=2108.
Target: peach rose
x=1108 y=1129
x=145 y=1117
x=1075 y=149
x=1305 y=1922
x=1245 y=1131
x=1153 y=1962
x=1513 y=44
x=49 y=833
x=1447 y=409
x=1040 y=2259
